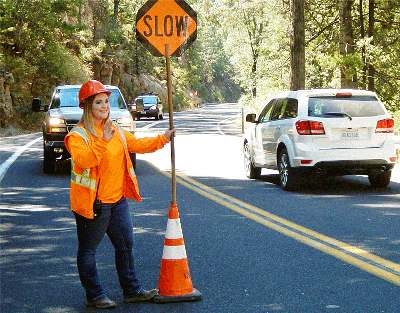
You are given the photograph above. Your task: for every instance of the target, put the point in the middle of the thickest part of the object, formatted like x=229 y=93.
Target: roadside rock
x=10 y=131
x=144 y=83
x=6 y=103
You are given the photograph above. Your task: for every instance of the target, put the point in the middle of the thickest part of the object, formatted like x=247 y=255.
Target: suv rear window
x=354 y=107
x=149 y=100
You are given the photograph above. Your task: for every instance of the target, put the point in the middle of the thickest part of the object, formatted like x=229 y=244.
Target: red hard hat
x=90 y=88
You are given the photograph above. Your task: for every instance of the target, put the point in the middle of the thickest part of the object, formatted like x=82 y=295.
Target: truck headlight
x=56 y=121
x=58 y=129
x=57 y=125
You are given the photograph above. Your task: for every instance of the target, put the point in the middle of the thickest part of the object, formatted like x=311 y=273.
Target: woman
x=102 y=171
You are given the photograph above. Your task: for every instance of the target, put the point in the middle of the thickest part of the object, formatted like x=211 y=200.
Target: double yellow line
x=360 y=258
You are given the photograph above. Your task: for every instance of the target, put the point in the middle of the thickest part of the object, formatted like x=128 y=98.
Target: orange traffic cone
x=175 y=284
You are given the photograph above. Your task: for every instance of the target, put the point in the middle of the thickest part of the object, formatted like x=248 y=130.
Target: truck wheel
x=49 y=162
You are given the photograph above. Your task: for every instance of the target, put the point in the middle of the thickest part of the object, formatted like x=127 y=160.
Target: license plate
x=350 y=134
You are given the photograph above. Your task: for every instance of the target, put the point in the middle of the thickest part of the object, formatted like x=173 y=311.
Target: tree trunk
x=116 y=8
x=371 y=30
x=254 y=74
x=362 y=37
x=348 y=78
x=297 y=46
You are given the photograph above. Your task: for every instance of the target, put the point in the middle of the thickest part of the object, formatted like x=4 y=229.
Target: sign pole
x=171 y=123
x=159 y=32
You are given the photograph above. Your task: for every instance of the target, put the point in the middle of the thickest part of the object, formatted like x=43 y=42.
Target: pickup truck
x=63 y=113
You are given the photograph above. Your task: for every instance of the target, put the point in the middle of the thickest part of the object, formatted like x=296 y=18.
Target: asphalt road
x=333 y=246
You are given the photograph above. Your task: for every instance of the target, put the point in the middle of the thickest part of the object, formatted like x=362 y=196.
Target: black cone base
x=193 y=296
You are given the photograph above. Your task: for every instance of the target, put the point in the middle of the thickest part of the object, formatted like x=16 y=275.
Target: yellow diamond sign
x=166 y=22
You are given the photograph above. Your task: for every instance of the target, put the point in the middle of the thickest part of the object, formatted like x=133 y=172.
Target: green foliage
x=242 y=48
x=396 y=117
x=181 y=101
x=381 y=50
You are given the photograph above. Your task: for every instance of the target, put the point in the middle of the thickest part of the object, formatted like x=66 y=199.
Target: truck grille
x=71 y=124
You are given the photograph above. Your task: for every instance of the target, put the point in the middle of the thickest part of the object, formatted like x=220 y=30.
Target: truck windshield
x=69 y=98
x=339 y=107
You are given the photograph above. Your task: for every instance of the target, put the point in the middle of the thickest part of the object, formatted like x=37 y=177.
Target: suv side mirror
x=251 y=118
x=36 y=104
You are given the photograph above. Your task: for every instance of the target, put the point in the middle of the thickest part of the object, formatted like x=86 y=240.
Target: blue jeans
x=116 y=222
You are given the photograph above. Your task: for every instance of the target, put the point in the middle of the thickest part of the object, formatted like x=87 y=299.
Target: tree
x=297 y=45
x=36 y=38
x=371 y=31
x=246 y=24
x=348 y=76
x=363 y=82
x=256 y=41
x=322 y=54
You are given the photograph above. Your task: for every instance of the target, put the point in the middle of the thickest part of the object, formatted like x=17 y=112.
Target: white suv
x=321 y=132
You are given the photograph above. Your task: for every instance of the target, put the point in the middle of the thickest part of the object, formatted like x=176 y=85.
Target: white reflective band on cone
x=174 y=252
x=174 y=229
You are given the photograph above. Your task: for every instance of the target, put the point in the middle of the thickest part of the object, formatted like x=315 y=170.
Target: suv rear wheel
x=380 y=180
x=287 y=176
x=251 y=171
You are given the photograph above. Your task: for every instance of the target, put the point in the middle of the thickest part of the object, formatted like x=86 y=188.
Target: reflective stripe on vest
x=83 y=181
x=84 y=178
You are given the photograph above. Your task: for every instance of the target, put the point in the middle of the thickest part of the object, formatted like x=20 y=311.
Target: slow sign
x=166 y=22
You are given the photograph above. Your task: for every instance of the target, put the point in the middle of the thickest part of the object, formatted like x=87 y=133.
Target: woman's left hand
x=169 y=133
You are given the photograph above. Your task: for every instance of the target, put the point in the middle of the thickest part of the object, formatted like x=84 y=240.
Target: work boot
x=103 y=303
x=144 y=295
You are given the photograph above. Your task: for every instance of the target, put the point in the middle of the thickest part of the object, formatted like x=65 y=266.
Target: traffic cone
x=175 y=284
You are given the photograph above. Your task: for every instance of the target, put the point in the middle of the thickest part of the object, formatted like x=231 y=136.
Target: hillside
x=244 y=51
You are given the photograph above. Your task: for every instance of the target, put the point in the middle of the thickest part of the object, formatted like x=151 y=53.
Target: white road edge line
x=11 y=159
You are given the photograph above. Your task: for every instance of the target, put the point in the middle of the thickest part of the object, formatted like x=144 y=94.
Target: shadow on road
x=336 y=185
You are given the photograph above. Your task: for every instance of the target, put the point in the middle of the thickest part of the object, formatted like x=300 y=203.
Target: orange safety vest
x=84 y=181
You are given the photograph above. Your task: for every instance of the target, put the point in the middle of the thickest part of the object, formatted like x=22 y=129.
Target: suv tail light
x=385 y=126
x=344 y=95
x=310 y=128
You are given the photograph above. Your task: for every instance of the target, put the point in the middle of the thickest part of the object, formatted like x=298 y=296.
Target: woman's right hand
x=169 y=133
x=108 y=130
